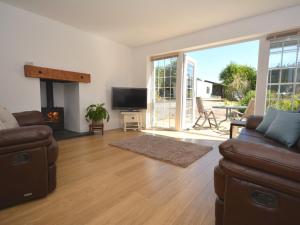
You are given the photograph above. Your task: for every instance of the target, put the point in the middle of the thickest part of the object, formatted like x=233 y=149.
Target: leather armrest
x=253 y=122
x=31 y=136
x=219 y=182
x=274 y=160
x=29 y=118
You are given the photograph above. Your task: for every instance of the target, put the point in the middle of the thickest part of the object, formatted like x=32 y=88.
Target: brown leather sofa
x=257 y=181
x=27 y=160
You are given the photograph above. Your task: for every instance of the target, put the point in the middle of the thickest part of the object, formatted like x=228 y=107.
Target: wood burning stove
x=54 y=116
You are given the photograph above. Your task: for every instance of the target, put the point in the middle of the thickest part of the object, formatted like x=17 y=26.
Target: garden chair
x=237 y=115
x=207 y=114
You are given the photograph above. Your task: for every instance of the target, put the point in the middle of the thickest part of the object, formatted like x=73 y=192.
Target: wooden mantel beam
x=55 y=74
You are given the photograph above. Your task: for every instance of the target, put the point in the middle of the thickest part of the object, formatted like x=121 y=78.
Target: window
x=283 y=91
x=207 y=90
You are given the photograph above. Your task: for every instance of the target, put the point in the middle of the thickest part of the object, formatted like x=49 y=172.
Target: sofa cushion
x=8 y=120
x=29 y=118
x=268 y=119
x=285 y=128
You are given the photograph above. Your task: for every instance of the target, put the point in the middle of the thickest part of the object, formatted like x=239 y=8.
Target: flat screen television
x=129 y=98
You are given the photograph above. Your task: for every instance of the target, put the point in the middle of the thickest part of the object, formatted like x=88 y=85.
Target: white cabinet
x=132 y=120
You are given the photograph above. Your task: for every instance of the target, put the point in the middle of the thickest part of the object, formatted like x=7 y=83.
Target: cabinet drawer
x=131 y=118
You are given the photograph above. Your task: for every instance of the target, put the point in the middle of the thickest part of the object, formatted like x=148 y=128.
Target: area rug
x=166 y=149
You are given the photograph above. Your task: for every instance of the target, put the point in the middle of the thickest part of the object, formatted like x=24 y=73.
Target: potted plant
x=96 y=113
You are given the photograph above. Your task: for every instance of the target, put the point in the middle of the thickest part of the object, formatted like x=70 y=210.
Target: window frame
x=296 y=72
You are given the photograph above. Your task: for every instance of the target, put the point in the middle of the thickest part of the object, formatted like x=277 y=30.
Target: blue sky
x=212 y=61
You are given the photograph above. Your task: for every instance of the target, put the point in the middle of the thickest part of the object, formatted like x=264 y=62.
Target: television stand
x=131 y=110
x=132 y=120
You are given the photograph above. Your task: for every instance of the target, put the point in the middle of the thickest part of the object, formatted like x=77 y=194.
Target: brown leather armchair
x=27 y=160
x=257 y=181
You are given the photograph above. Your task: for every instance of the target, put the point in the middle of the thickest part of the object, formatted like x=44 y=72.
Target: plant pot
x=97 y=123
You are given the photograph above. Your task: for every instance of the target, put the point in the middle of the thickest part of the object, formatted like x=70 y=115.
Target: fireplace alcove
x=59 y=91
x=60 y=105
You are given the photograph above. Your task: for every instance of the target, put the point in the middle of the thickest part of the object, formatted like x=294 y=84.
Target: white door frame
x=179 y=86
x=151 y=93
x=187 y=60
x=262 y=76
x=182 y=61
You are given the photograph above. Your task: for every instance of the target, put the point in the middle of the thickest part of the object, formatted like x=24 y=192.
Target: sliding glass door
x=164 y=93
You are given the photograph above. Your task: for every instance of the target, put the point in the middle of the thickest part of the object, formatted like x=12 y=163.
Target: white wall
x=26 y=37
x=71 y=106
x=201 y=89
x=242 y=30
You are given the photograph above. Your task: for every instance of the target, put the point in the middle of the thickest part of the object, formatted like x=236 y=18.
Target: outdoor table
x=228 y=109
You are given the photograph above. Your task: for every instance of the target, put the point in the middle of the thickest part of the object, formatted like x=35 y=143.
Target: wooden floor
x=100 y=184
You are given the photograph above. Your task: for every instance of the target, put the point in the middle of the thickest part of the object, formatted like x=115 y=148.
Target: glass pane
x=190 y=70
x=275 y=60
x=296 y=106
x=173 y=81
x=189 y=83
x=290 y=46
x=173 y=93
x=287 y=88
x=157 y=95
x=173 y=67
x=289 y=59
x=167 y=62
x=272 y=103
x=287 y=75
x=273 y=91
x=155 y=76
x=298 y=75
x=161 y=92
x=161 y=72
x=285 y=104
x=286 y=91
x=156 y=63
x=167 y=92
x=168 y=71
x=189 y=93
x=172 y=116
x=167 y=81
x=167 y=67
x=298 y=55
x=297 y=98
x=166 y=115
x=297 y=90
x=160 y=82
x=276 y=47
x=274 y=76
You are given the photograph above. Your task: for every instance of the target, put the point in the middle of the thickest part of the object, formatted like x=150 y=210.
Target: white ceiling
x=140 y=22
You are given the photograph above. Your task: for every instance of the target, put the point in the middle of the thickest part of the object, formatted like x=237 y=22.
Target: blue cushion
x=285 y=128
x=268 y=119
